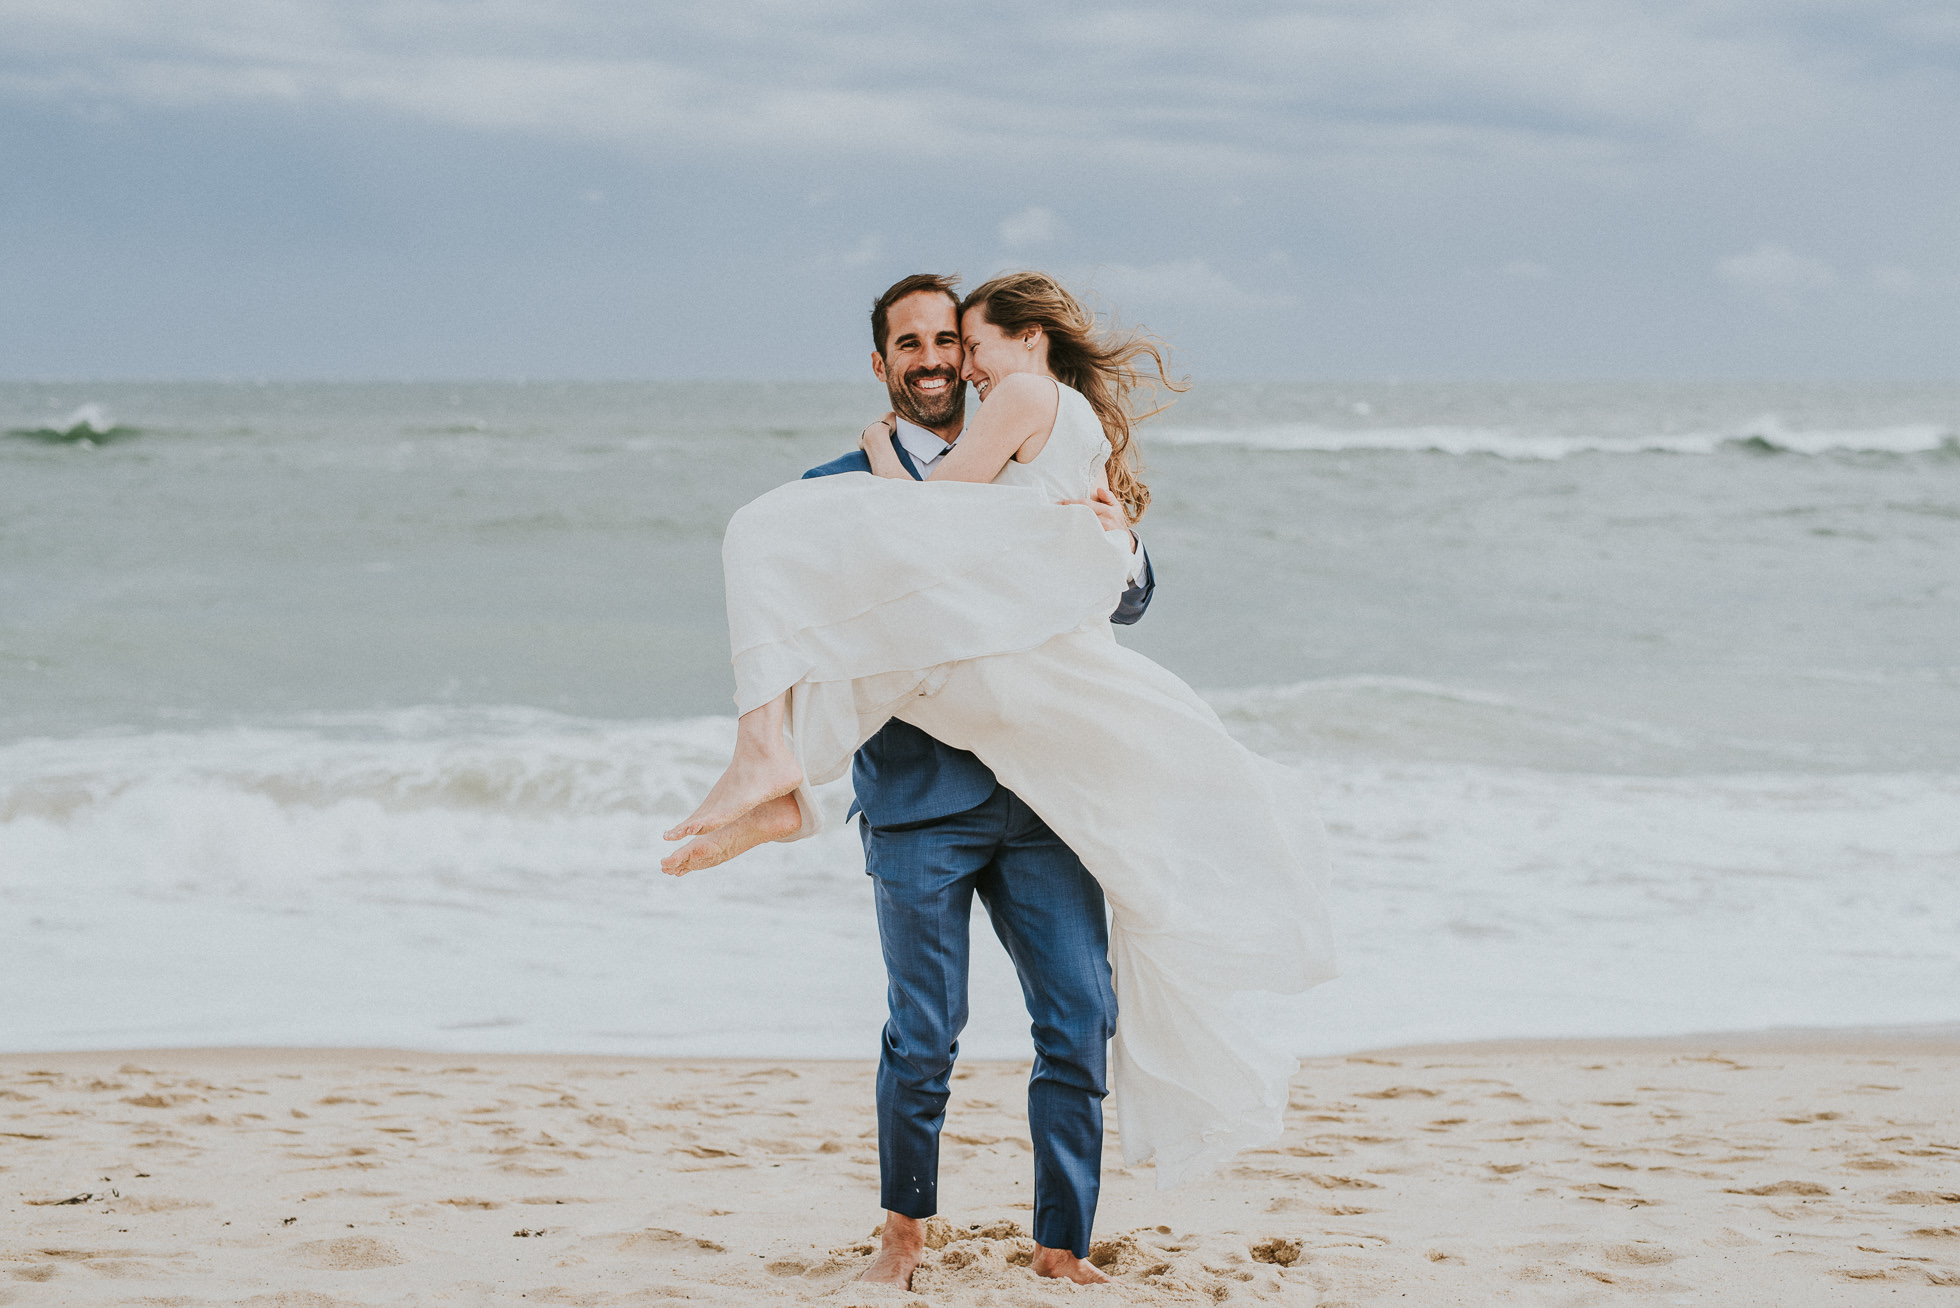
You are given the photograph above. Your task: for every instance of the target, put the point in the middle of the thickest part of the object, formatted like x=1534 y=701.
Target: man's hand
x=1108 y=512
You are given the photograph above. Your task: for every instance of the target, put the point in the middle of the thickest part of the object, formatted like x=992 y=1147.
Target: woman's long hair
x=1103 y=364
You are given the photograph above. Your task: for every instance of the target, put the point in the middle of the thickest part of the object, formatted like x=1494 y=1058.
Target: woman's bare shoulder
x=1027 y=386
x=1028 y=393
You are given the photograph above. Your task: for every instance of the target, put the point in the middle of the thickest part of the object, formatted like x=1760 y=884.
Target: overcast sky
x=1329 y=188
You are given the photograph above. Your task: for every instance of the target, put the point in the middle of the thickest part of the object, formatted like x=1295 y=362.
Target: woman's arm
x=1014 y=422
x=876 y=442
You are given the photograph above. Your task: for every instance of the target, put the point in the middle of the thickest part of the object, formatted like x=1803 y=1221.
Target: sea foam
x=488 y=879
x=1767 y=434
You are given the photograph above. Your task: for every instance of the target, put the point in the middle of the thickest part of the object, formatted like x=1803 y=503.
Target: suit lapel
x=905 y=457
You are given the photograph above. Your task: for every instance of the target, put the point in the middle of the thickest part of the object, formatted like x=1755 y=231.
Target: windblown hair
x=882 y=306
x=1104 y=364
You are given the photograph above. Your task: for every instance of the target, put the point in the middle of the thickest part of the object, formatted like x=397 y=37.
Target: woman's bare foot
x=1063 y=1265
x=773 y=819
x=762 y=770
x=900 y=1250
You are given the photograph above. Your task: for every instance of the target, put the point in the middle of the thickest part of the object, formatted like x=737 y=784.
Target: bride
x=974 y=605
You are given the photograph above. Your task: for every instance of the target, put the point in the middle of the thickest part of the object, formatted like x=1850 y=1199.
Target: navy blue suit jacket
x=902 y=775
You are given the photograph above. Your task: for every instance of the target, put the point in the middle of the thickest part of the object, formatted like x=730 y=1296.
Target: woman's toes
x=689 y=858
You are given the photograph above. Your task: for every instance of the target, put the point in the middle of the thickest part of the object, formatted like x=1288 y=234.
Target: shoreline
x=1761 y=1168
x=1784 y=1039
x=1878 y=1040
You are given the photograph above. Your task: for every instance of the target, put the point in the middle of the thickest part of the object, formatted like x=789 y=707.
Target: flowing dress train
x=979 y=613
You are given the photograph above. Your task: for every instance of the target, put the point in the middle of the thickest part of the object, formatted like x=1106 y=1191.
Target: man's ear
x=878 y=365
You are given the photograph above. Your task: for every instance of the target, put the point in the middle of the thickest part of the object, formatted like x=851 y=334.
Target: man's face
x=921 y=363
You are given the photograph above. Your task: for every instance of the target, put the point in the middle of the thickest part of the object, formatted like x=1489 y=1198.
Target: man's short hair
x=881 y=309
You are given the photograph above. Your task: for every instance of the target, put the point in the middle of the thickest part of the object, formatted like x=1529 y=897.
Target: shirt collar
x=925 y=447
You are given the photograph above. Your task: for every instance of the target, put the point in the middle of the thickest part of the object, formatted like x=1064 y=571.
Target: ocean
x=350 y=714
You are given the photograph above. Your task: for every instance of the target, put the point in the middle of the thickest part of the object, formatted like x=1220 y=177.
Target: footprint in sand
x=660 y=1240
x=1785 y=1187
x=158 y=1101
x=1341 y=1182
x=159 y=1204
x=356 y=1253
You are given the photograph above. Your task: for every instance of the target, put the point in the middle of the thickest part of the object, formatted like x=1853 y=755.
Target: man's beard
x=929 y=410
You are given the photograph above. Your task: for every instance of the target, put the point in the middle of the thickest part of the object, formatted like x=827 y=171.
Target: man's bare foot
x=900 y=1250
x=754 y=777
x=1065 y=1266
x=771 y=820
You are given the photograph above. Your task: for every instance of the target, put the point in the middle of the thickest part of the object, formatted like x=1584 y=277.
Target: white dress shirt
x=927 y=449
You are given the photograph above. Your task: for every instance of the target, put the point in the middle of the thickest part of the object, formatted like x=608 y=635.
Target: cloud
x=1387 y=145
x=866 y=252
x=1777 y=270
x=1242 y=90
x=1030 y=227
x=1185 y=283
x=1893 y=280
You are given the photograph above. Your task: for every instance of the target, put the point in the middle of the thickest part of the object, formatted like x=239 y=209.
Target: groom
x=938 y=830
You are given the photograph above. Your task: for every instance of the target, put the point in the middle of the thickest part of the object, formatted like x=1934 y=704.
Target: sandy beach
x=1763 y=1170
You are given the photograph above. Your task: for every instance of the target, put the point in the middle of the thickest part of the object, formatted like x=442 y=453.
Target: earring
x=1029 y=342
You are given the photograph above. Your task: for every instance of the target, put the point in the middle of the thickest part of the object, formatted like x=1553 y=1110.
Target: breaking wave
x=89 y=425
x=487 y=879
x=1767 y=435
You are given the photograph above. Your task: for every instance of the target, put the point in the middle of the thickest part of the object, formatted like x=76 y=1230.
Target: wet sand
x=1786 y=1170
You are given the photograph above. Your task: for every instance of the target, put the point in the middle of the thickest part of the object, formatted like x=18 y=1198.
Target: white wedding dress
x=980 y=614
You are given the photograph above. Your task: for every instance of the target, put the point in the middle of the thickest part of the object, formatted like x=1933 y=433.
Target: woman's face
x=992 y=354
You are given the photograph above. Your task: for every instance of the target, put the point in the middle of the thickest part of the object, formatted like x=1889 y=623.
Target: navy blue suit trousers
x=1048 y=912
